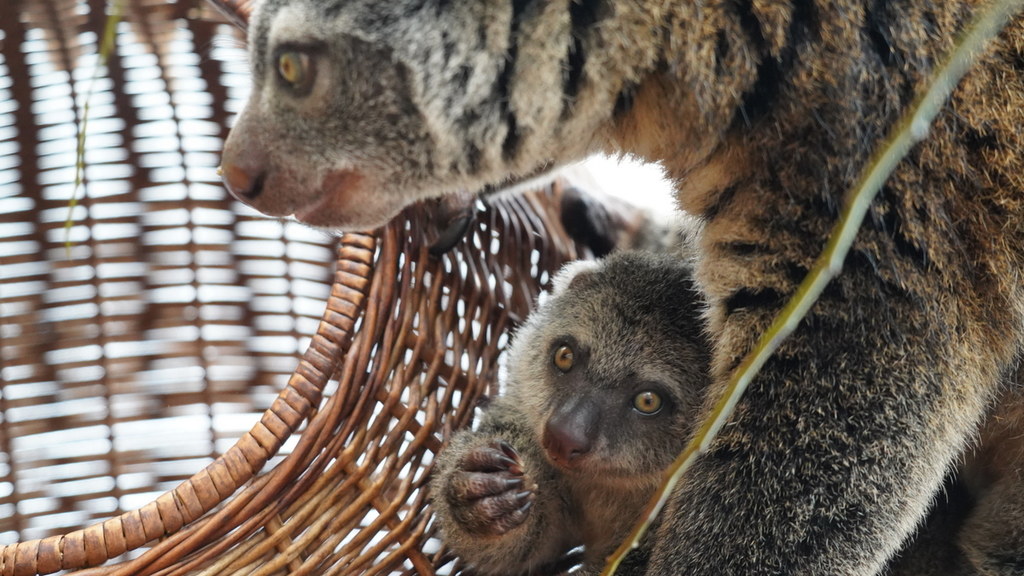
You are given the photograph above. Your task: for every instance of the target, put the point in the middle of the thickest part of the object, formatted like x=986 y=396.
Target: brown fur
x=976 y=525
x=992 y=537
x=763 y=113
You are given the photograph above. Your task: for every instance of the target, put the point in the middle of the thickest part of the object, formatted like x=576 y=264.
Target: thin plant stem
x=911 y=129
x=106 y=48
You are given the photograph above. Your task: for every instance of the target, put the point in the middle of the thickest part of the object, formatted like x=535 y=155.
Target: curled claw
x=496 y=515
x=525 y=497
x=515 y=467
x=456 y=214
x=519 y=515
x=494 y=458
x=515 y=517
x=477 y=485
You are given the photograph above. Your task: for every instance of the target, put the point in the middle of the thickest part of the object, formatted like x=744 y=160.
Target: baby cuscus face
x=613 y=365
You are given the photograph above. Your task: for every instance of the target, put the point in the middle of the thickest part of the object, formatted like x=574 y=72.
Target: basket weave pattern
x=136 y=357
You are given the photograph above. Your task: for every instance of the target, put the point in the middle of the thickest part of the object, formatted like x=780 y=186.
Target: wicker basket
x=142 y=341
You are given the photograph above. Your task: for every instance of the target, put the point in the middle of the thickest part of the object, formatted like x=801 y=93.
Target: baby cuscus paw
x=488 y=492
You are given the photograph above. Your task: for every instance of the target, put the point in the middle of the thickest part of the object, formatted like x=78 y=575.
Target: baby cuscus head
x=613 y=365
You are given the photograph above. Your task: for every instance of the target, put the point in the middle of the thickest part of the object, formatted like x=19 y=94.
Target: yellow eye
x=564 y=358
x=294 y=68
x=647 y=403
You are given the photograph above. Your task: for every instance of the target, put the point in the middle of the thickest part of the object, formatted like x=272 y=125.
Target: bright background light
x=635 y=181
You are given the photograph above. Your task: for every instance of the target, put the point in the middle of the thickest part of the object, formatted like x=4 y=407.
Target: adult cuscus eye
x=564 y=358
x=295 y=68
x=647 y=402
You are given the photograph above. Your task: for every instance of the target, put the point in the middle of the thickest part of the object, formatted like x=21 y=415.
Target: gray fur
x=763 y=114
x=634 y=322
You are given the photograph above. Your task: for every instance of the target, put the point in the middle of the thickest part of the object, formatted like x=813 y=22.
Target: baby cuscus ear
x=574 y=275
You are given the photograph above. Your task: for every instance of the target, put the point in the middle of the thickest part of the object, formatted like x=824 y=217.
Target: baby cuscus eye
x=647 y=402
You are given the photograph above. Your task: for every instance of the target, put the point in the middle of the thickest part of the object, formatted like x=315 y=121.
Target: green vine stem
x=106 y=48
x=911 y=129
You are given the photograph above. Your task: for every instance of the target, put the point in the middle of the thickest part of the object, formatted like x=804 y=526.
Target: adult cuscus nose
x=244 y=180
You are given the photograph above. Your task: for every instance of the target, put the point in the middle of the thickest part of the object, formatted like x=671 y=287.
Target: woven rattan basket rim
x=179 y=508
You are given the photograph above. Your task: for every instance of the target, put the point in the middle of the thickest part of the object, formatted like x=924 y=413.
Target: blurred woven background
x=142 y=342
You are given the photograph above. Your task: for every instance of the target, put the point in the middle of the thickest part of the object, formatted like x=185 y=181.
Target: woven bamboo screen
x=151 y=332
